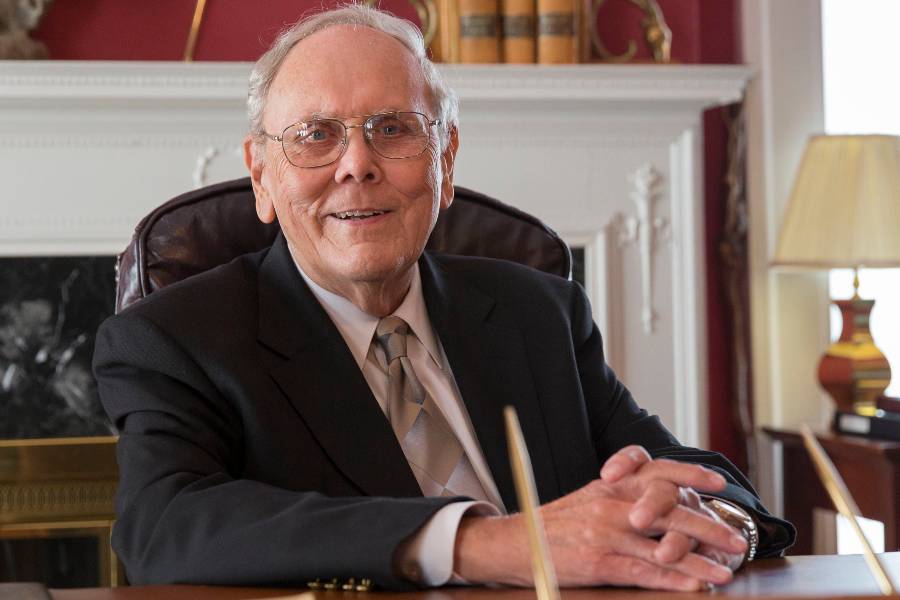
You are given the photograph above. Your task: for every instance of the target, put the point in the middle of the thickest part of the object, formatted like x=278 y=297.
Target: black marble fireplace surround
x=50 y=308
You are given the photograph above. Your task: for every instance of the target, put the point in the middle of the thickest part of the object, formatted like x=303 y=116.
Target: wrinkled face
x=363 y=218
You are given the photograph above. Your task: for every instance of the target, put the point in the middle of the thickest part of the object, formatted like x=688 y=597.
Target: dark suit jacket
x=253 y=452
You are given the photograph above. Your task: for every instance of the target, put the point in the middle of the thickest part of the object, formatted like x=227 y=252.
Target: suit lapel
x=315 y=370
x=491 y=368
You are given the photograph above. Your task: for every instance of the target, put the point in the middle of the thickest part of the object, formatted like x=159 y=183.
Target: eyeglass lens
x=321 y=141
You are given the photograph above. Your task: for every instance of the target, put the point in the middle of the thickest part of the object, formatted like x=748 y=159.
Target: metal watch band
x=738 y=518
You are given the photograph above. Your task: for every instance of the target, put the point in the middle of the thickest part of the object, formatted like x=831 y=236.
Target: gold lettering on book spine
x=478 y=25
x=556 y=23
x=518 y=26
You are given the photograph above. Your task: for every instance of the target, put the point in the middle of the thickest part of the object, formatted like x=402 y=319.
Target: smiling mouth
x=357 y=214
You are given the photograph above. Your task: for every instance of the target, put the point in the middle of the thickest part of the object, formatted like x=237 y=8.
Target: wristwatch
x=738 y=518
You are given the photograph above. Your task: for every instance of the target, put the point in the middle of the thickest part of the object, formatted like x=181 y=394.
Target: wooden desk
x=794 y=577
x=870 y=468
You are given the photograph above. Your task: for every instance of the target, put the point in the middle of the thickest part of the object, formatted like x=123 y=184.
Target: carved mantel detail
x=647 y=231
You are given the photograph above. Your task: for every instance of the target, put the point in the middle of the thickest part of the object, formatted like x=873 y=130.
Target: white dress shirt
x=427 y=557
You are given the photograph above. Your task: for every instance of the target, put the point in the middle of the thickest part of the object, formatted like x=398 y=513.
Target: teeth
x=358 y=214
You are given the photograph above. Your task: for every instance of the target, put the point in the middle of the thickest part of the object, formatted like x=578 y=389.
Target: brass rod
x=542 y=567
x=195 y=29
x=846 y=505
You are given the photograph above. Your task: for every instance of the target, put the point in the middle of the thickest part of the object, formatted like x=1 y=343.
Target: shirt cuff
x=427 y=557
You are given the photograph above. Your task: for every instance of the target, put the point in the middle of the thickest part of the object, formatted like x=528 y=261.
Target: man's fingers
x=627 y=460
x=702 y=528
x=657 y=500
x=730 y=560
x=633 y=459
x=692 y=499
x=684 y=475
x=689 y=564
x=674 y=546
x=631 y=571
x=689 y=574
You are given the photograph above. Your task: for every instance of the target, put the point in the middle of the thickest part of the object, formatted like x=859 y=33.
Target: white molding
x=688 y=291
x=62 y=140
x=205 y=159
x=117 y=81
x=690 y=86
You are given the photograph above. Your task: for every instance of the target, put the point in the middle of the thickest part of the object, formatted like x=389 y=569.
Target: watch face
x=738 y=519
x=729 y=513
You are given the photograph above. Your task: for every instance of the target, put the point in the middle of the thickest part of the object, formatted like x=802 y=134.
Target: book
x=445 y=45
x=557 y=27
x=880 y=426
x=518 y=31
x=479 y=31
x=888 y=404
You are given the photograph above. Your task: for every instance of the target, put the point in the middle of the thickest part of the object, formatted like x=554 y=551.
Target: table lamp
x=844 y=212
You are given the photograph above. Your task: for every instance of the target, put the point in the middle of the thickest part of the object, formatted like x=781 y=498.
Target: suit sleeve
x=617 y=421
x=184 y=514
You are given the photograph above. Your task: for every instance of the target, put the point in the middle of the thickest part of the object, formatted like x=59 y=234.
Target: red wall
x=704 y=31
x=158 y=30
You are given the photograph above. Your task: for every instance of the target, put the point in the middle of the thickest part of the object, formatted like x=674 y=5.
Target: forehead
x=346 y=70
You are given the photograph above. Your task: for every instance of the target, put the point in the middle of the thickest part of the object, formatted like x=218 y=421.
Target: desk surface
x=792 y=577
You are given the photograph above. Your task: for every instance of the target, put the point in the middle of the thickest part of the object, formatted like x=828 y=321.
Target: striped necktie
x=435 y=455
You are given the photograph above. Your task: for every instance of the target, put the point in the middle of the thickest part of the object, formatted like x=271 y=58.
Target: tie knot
x=391 y=336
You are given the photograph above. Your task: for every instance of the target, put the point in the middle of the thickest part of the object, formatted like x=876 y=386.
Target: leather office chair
x=211 y=226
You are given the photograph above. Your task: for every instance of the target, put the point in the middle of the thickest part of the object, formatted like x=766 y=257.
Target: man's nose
x=358 y=162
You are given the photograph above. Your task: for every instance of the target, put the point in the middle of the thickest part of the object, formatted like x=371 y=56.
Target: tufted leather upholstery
x=211 y=226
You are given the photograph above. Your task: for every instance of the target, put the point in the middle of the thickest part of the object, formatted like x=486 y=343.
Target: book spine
x=479 y=31
x=445 y=46
x=557 y=31
x=879 y=428
x=518 y=31
x=888 y=404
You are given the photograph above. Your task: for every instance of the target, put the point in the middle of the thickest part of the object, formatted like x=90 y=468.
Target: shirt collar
x=413 y=311
x=357 y=327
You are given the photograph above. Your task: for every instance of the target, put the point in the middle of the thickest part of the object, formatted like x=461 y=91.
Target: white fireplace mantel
x=115 y=82
x=609 y=155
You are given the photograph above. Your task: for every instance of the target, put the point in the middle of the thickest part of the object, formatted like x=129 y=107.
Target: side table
x=870 y=468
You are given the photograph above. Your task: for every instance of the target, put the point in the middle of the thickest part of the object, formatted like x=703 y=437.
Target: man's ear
x=265 y=208
x=448 y=159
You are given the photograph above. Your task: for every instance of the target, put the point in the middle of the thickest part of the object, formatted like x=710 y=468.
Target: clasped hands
x=641 y=524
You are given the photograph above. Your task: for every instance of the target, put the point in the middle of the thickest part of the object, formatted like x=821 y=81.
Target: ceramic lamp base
x=853 y=370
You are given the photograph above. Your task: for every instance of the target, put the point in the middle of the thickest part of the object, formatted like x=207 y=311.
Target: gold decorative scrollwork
x=428 y=16
x=54 y=500
x=657 y=34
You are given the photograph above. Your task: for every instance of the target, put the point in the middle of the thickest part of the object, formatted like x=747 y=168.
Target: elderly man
x=331 y=407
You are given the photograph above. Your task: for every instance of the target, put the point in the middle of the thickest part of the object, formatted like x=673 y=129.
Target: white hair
x=445 y=103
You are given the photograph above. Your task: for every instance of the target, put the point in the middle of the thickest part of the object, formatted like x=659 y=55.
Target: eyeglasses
x=320 y=142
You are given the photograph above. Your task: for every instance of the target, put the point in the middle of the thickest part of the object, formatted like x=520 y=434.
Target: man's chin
x=376 y=274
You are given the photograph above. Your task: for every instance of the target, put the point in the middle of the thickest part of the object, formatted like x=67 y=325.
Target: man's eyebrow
x=329 y=115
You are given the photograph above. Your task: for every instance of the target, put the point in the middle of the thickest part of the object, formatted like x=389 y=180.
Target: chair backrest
x=212 y=225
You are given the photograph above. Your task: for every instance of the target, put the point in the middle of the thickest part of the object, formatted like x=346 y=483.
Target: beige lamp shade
x=844 y=210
